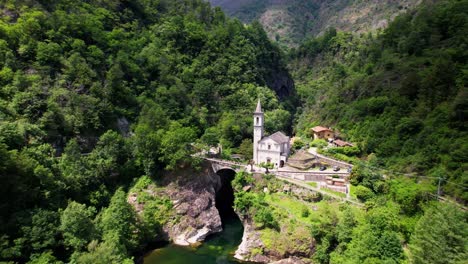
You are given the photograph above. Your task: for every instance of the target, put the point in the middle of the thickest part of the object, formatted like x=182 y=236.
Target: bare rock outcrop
x=194 y=206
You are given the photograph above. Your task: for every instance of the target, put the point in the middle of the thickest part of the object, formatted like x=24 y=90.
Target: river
x=218 y=248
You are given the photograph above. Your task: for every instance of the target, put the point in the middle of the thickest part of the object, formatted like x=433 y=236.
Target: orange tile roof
x=319 y=129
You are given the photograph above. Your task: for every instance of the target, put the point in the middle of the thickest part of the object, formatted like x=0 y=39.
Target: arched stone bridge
x=218 y=164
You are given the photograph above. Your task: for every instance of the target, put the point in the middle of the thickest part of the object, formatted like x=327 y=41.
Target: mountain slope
x=97 y=93
x=290 y=22
x=401 y=95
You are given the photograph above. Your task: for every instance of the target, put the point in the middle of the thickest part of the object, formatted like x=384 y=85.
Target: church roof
x=278 y=137
x=259 y=107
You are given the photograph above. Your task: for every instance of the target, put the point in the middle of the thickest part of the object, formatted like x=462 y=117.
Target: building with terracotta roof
x=271 y=149
x=321 y=132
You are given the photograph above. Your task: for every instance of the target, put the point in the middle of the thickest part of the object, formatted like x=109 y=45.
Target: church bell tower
x=258 y=130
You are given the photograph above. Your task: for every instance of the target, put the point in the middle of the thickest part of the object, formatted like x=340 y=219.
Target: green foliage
x=298 y=144
x=267 y=166
x=77 y=226
x=410 y=194
x=118 y=222
x=348 y=151
x=241 y=179
x=363 y=193
x=246 y=148
x=95 y=94
x=104 y=252
x=375 y=240
x=175 y=143
x=44 y=258
x=305 y=212
x=265 y=218
x=396 y=93
x=319 y=143
x=440 y=236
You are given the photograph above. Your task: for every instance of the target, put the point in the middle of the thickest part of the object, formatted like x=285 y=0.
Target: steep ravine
x=204 y=226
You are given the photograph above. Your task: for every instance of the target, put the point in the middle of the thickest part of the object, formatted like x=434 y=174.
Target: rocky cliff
x=291 y=242
x=291 y=21
x=194 y=215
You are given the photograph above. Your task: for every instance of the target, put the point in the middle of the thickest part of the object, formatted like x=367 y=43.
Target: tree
x=210 y=137
x=266 y=166
x=43 y=232
x=44 y=258
x=175 y=144
x=440 y=236
x=246 y=149
x=102 y=253
x=77 y=226
x=277 y=120
x=363 y=193
x=110 y=155
x=118 y=222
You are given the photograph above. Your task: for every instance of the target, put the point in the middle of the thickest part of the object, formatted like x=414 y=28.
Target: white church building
x=271 y=149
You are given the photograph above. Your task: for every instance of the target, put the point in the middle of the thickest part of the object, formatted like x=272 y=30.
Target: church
x=271 y=149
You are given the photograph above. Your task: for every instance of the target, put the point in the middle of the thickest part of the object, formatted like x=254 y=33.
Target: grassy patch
x=352 y=192
x=286 y=203
x=340 y=194
x=313 y=184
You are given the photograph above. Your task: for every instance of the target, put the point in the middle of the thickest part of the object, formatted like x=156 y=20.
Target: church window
x=258 y=120
x=269 y=146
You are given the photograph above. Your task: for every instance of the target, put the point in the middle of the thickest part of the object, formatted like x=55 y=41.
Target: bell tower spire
x=258 y=129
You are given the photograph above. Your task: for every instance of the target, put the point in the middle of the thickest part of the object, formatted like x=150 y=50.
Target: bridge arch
x=225 y=192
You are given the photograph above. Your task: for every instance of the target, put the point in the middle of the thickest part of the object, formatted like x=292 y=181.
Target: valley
x=270 y=131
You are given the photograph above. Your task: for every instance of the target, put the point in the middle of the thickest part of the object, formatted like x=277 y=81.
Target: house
x=321 y=132
x=341 y=143
x=272 y=149
x=335 y=181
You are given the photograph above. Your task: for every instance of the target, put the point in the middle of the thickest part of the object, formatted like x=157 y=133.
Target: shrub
x=319 y=143
x=363 y=193
x=264 y=216
x=305 y=211
x=298 y=144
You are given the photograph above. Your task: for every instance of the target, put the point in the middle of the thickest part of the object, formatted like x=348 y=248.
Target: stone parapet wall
x=311 y=176
x=333 y=162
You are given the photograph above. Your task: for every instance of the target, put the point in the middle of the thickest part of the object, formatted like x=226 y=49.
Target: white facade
x=272 y=149
x=258 y=129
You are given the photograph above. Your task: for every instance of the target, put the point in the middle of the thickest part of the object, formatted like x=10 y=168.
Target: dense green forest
x=97 y=93
x=400 y=94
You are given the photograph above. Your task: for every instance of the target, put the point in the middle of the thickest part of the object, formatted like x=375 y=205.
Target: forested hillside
x=95 y=94
x=289 y=22
x=400 y=94
x=99 y=99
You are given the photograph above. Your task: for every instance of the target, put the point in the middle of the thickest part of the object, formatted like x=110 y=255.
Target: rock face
x=290 y=243
x=193 y=197
x=282 y=83
x=250 y=241
x=195 y=205
x=253 y=249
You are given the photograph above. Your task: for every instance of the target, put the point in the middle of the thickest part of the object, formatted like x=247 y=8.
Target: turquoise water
x=218 y=248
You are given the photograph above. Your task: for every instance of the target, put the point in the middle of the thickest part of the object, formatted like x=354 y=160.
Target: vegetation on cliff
x=403 y=225
x=399 y=94
x=95 y=94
